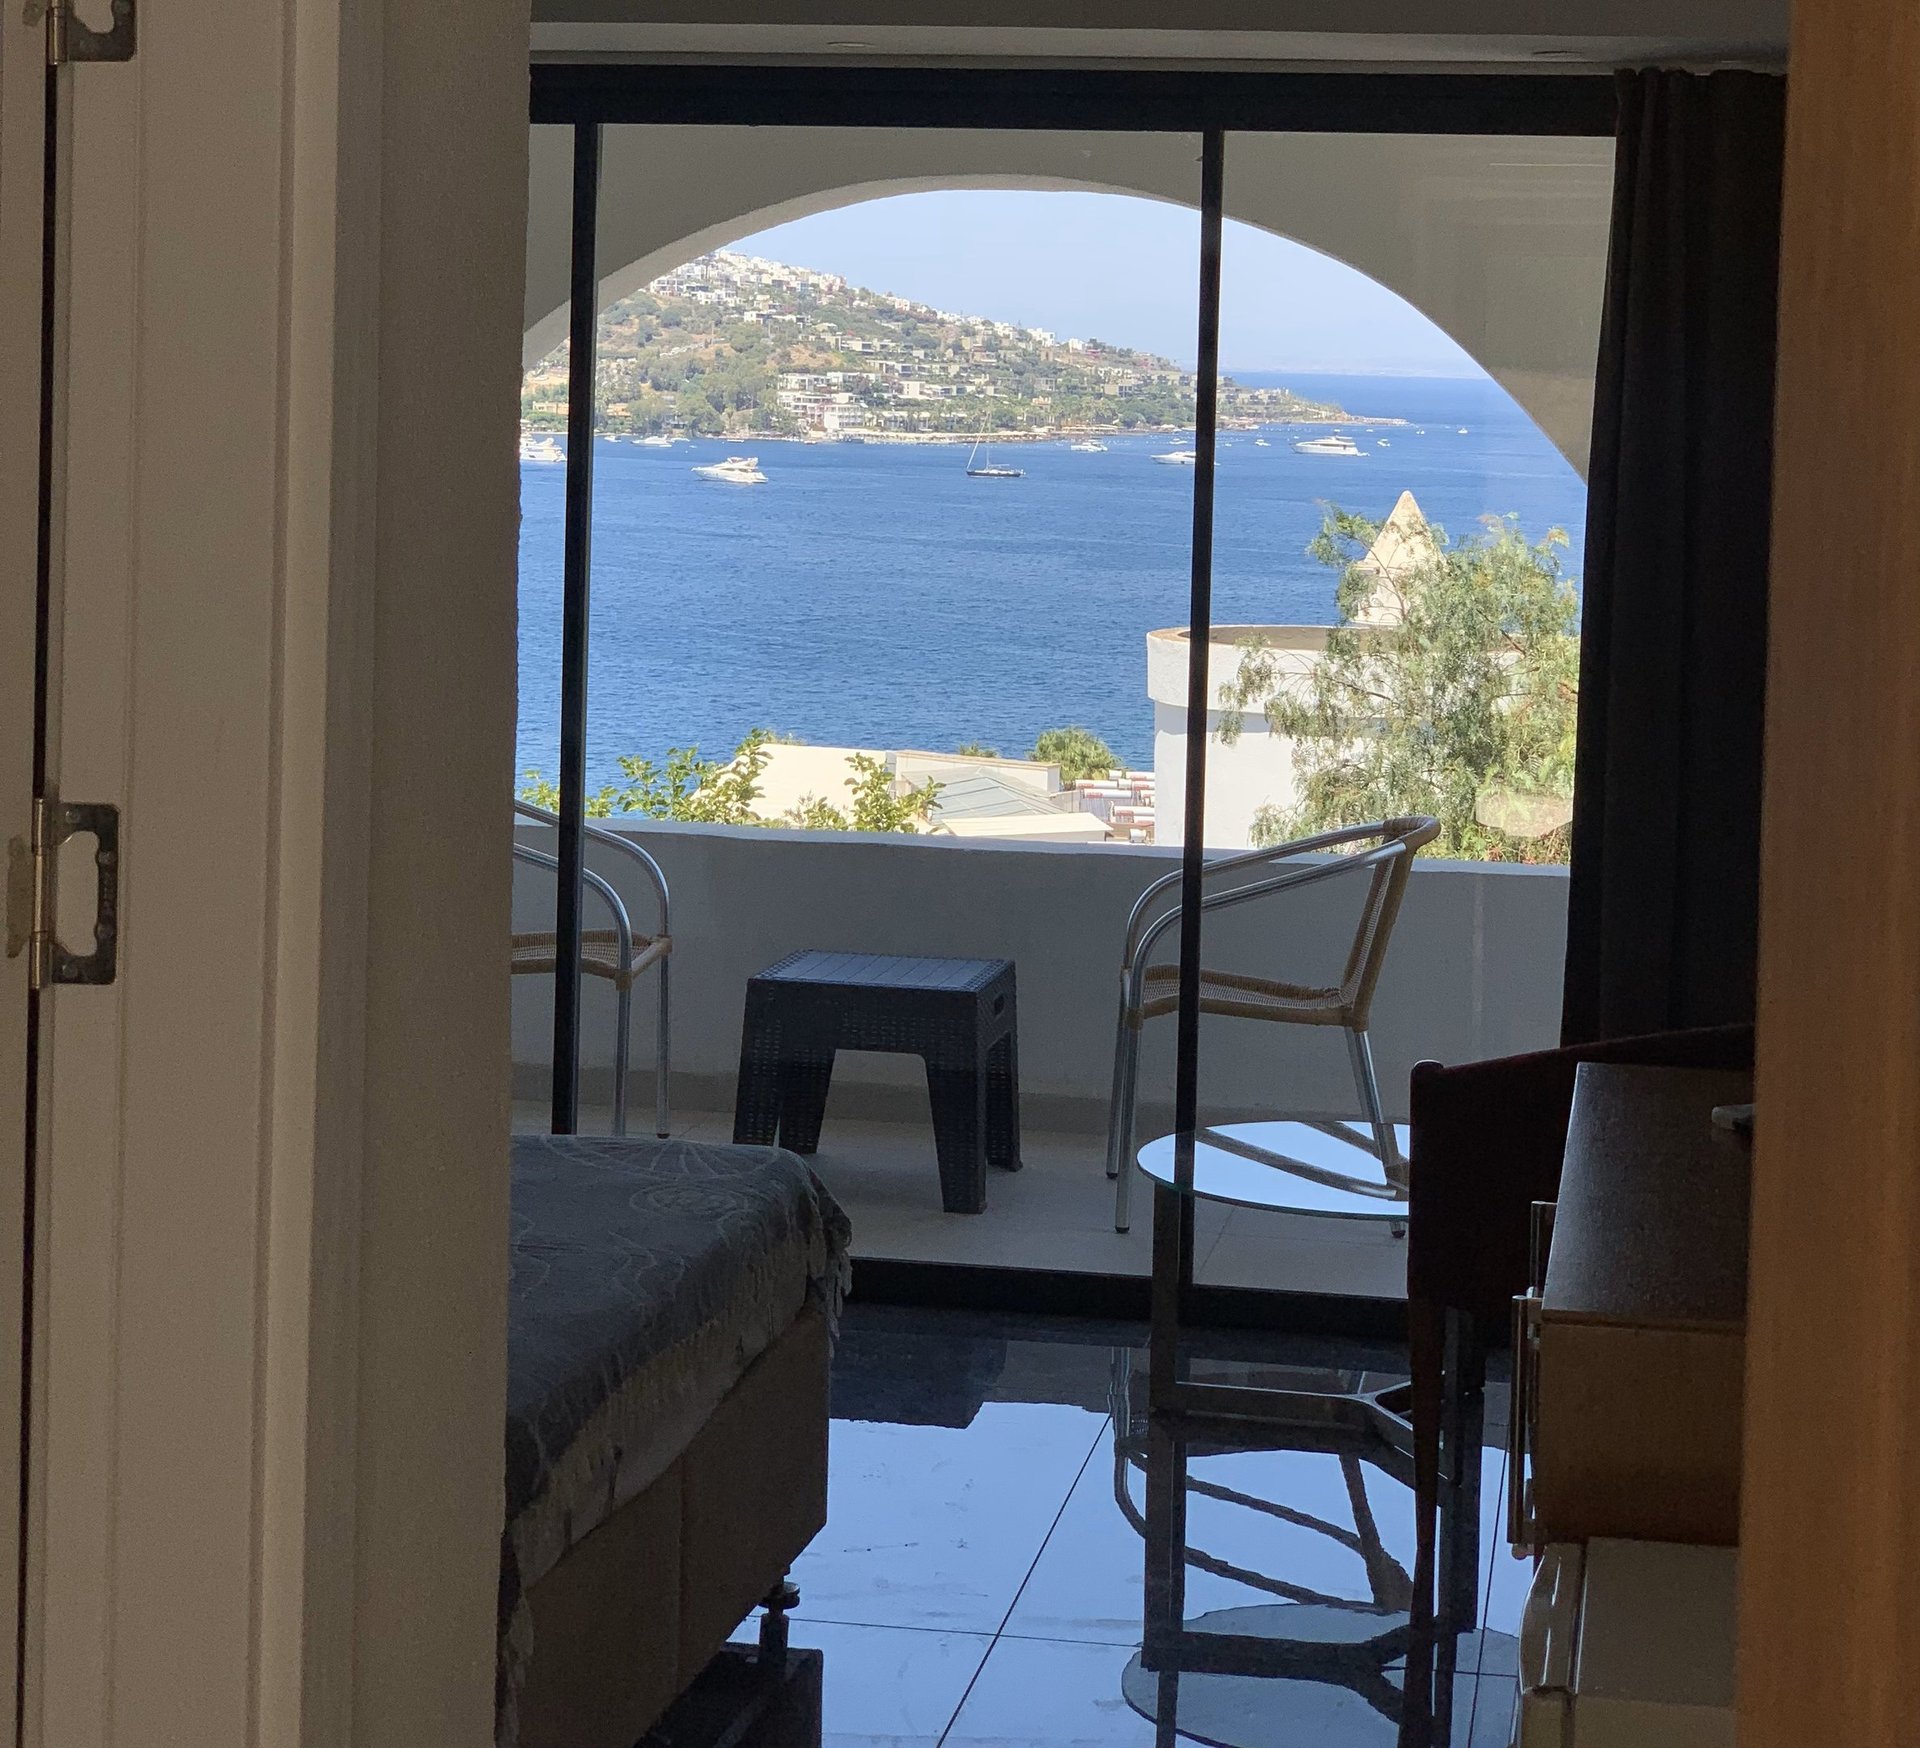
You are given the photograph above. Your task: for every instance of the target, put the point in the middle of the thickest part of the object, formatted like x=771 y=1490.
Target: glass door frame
x=588 y=96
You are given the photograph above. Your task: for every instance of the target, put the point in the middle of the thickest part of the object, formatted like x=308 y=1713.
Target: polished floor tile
x=1035 y=1693
x=937 y=1526
x=1493 y=1707
x=1261 y=1525
x=890 y=1687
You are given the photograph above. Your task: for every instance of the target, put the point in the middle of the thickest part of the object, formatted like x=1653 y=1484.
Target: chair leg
x=1115 y=1098
x=622 y=1032
x=663 y=1060
x=1120 y=1161
x=1360 y=1051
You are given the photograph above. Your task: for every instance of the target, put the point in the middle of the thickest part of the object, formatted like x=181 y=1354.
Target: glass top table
x=1296 y=1166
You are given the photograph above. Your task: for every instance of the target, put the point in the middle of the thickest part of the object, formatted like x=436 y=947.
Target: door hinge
x=71 y=38
x=33 y=875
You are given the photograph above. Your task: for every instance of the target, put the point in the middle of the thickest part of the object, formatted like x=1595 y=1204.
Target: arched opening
x=866 y=606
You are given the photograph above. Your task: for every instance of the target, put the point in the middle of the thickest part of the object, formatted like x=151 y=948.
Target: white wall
x=1474 y=970
x=1502 y=242
x=1256 y=769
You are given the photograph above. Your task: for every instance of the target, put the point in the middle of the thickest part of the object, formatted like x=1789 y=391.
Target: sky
x=1116 y=267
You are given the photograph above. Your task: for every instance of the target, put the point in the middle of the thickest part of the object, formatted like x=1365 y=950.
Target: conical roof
x=1402 y=547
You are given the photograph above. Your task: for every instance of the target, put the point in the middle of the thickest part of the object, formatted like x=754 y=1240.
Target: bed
x=671 y=1319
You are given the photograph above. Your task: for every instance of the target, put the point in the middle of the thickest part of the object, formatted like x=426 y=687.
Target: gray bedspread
x=647 y=1277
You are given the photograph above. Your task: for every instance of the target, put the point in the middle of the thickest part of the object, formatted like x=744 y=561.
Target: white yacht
x=739 y=470
x=1261 y=443
x=986 y=469
x=659 y=440
x=1178 y=458
x=540 y=446
x=1088 y=446
x=1339 y=443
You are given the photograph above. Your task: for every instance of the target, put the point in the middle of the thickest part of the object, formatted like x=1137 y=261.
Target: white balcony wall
x=1474 y=969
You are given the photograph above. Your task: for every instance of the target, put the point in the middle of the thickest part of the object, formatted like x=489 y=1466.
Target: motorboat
x=1339 y=443
x=1087 y=446
x=1261 y=443
x=540 y=446
x=659 y=440
x=1382 y=443
x=1178 y=458
x=977 y=469
x=738 y=470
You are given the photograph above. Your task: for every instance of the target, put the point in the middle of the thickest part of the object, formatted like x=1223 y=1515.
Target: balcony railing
x=1474 y=968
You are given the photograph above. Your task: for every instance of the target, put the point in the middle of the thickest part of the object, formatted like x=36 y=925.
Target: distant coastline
x=748 y=350
x=1009 y=435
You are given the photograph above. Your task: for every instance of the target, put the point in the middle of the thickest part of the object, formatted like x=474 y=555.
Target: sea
x=871 y=594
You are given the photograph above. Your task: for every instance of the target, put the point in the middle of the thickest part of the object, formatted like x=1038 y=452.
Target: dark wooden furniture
x=1629 y=1360
x=958 y=1014
x=1486 y=1143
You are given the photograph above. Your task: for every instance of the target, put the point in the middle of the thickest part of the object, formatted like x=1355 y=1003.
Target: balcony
x=1474 y=971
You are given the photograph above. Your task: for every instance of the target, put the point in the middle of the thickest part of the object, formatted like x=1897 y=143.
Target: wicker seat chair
x=1384 y=852
x=617 y=955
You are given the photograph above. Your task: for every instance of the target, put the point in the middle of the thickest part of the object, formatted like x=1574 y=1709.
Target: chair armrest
x=1133 y=966
x=602 y=889
x=655 y=874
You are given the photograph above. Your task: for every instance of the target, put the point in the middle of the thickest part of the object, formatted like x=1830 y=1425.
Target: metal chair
x=616 y=954
x=1383 y=851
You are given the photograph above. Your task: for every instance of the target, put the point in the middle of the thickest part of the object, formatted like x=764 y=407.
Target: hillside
x=734 y=345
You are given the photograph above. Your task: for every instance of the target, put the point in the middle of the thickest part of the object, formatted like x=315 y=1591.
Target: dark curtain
x=1663 y=908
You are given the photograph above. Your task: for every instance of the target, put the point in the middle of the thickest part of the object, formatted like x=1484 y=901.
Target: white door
x=22 y=76
x=263 y=1237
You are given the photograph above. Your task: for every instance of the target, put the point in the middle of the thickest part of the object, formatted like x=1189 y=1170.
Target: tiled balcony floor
x=1056 y=1213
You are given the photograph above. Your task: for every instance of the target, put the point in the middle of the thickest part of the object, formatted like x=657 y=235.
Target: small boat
x=986 y=469
x=1178 y=458
x=1337 y=444
x=1261 y=443
x=739 y=470
x=659 y=440
x=1382 y=443
x=1463 y=430
x=540 y=446
x=1087 y=446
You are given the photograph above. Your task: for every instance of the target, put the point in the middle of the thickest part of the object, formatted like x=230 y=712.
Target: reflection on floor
x=1056 y=1213
x=981 y=1578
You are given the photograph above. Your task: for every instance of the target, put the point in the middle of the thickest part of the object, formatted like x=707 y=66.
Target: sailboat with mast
x=978 y=469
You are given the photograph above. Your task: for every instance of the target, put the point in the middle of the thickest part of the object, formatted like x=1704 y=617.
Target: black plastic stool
x=958 y=1014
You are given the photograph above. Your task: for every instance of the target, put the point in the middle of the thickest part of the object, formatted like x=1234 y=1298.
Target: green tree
x=1079 y=753
x=973 y=749
x=684 y=786
x=1460 y=705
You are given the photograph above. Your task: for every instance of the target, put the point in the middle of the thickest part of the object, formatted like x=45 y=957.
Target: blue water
x=873 y=595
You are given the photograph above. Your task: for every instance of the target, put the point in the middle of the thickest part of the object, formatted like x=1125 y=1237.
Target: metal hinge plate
x=33 y=878
x=71 y=38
